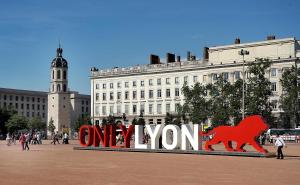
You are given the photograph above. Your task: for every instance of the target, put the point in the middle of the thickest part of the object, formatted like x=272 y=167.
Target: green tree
x=104 y=122
x=182 y=113
x=111 y=119
x=141 y=120
x=235 y=101
x=36 y=123
x=289 y=98
x=16 y=122
x=196 y=103
x=174 y=119
x=258 y=90
x=134 y=121
x=5 y=114
x=219 y=101
x=85 y=120
x=51 y=126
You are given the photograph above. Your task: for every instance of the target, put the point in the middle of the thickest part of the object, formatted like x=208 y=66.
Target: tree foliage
x=174 y=119
x=134 y=121
x=16 y=122
x=85 y=120
x=51 y=126
x=141 y=120
x=5 y=114
x=258 y=90
x=196 y=103
x=219 y=101
x=104 y=122
x=289 y=98
x=36 y=123
x=111 y=119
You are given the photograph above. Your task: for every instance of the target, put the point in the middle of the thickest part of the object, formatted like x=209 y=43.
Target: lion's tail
x=208 y=133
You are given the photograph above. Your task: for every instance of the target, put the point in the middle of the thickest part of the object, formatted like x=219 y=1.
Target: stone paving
x=60 y=164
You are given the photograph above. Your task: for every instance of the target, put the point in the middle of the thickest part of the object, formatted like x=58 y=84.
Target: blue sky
x=112 y=33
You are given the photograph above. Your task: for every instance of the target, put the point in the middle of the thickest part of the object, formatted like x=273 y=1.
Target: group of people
x=10 y=139
x=56 y=137
x=25 y=138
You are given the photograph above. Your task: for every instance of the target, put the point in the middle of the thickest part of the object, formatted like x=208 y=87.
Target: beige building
x=155 y=89
x=27 y=103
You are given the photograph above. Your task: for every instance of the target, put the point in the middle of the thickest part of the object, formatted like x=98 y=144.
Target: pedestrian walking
x=8 y=139
x=13 y=138
x=55 y=139
x=22 y=140
x=27 y=140
x=39 y=138
x=279 y=143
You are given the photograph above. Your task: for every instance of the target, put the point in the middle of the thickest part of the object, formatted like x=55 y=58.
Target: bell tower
x=59 y=95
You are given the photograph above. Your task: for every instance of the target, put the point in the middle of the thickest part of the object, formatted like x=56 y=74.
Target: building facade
x=155 y=89
x=27 y=103
x=62 y=106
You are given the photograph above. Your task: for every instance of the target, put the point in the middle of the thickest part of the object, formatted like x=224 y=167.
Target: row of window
x=86 y=102
x=58 y=88
x=58 y=74
x=134 y=94
x=22 y=98
x=142 y=82
x=214 y=76
x=22 y=106
x=151 y=94
x=33 y=114
x=86 y=109
x=134 y=109
x=150 y=110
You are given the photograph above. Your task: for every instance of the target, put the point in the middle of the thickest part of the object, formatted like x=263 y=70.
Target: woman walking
x=22 y=140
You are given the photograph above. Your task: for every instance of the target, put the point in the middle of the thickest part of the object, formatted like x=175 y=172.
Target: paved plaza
x=60 y=164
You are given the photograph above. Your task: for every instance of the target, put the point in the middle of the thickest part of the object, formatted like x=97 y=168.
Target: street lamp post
x=243 y=53
x=297 y=101
x=93 y=69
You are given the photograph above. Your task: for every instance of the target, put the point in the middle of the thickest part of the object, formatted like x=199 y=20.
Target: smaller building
x=27 y=103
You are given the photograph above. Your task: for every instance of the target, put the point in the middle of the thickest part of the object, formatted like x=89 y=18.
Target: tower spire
x=59 y=49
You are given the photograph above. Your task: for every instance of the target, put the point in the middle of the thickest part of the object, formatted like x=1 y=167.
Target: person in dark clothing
x=27 y=140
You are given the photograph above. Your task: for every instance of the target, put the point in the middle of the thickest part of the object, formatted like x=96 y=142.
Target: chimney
x=154 y=59
x=271 y=37
x=205 y=53
x=188 y=56
x=237 y=41
x=170 y=58
x=178 y=58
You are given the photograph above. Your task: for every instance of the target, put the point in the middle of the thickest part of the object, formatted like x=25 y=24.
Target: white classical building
x=155 y=88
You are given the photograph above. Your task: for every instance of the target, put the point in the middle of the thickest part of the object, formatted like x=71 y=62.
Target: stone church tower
x=59 y=95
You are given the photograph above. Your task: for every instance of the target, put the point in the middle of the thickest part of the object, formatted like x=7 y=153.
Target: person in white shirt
x=279 y=143
x=66 y=139
x=8 y=139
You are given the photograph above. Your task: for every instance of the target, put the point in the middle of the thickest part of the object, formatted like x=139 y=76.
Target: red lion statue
x=246 y=132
